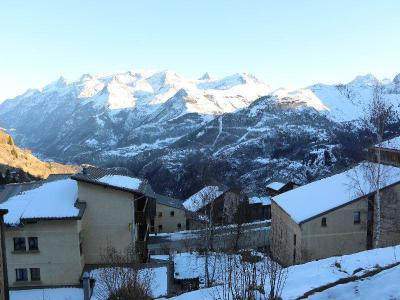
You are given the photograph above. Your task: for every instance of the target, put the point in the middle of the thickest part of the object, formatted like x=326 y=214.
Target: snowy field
x=305 y=277
x=158 y=286
x=48 y=294
x=385 y=285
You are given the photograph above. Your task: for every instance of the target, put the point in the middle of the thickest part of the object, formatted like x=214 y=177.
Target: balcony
x=144 y=209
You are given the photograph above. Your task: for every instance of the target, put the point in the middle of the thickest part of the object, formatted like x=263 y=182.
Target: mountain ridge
x=159 y=125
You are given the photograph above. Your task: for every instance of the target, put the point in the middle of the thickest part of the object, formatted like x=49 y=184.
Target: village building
x=389 y=152
x=58 y=227
x=170 y=215
x=334 y=215
x=260 y=207
x=4 y=292
x=227 y=206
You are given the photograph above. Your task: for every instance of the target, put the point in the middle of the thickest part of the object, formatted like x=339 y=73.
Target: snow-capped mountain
x=342 y=102
x=153 y=122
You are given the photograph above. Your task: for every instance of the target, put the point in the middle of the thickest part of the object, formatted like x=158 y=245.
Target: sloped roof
x=392 y=144
x=203 y=197
x=276 y=186
x=54 y=199
x=168 y=201
x=318 y=197
x=116 y=178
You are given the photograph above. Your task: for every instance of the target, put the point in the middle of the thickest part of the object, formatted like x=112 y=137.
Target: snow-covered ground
x=48 y=294
x=158 y=282
x=385 y=285
x=305 y=277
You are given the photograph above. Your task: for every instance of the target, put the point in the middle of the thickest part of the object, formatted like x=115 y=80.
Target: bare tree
x=204 y=206
x=378 y=116
x=250 y=275
x=121 y=277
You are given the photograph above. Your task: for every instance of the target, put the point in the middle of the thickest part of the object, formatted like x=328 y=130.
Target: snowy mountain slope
x=161 y=124
x=342 y=102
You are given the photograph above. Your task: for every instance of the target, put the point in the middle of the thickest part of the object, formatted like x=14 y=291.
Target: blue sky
x=285 y=43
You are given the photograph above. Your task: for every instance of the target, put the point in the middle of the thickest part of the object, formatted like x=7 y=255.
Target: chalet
x=276 y=188
x=389 y=152
x=228 y=206
x=56 y=228
x=170 y=215
x=334 y=215
x=260 y=207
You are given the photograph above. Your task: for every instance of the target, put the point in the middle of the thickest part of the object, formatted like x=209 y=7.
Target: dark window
x=179 y=225
x=152 y=229
x=323 y=222
x=357 y=217
x=294 y=255
x=160 y=214
x=152 y=222
x=33 y=243
x=159 y=227
x=35 y=274
x=294 y=240
x=19 y=244
x=21 y=274
x=187 y=224
x=172 y=213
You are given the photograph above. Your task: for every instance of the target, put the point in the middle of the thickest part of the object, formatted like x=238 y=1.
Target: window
x=356 y=217
x=35 y=274
x=172 y=213
x=159 y=227
x=33 y=243
x=179 y=225
x=187 y=224
x=294 y=240
x=21 y=275
x=19 y=244
x=294 y=255
x=323 y=222
x=160 y=214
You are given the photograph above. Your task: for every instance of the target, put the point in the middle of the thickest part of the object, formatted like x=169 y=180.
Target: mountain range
x=181 y=134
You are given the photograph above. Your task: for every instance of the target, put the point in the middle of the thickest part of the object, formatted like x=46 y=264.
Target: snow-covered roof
x=115 y=178
x=48 y=200
x=121 y=181
x=169 y=201
x=202 y=197
x=264 y=200
x=276 y=185
x=313 y=199
x=393 y=144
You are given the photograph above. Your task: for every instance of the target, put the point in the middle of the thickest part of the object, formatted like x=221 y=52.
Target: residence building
x=334 y=215
x=4 y=292
x=227 y=206
x=260 y=207
x=170 y=215
x=56 y=228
